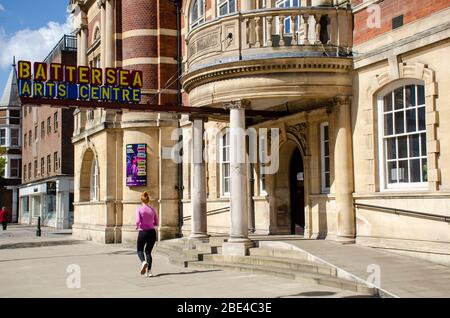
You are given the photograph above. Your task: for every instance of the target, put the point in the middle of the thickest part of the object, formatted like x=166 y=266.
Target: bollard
x=38 y=231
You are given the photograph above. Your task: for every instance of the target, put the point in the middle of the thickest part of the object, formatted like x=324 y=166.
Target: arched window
x=225 y=7
x=402 y=142
x=225 y=163
x=94 y=182
x=196 y=13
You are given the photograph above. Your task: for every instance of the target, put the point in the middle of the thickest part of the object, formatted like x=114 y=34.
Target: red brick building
x=10 y=142
x=47 y=165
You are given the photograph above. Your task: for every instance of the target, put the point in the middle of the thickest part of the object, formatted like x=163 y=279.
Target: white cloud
x=2 y=8
x=31 y=45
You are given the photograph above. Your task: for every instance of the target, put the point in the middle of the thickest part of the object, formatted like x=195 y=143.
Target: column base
x=346 y=239
x=194 y=239
x=237 y=246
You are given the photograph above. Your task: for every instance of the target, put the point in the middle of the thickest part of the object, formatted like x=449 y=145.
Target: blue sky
x=29 y=29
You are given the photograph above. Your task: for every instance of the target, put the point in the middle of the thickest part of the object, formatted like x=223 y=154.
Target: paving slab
x=113 y=271
x=400 y=275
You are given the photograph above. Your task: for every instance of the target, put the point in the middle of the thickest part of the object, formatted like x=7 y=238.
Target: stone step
x=208 y=248
x=278 y=253
x=218 y=240
x=292 y=264
x=289 y=274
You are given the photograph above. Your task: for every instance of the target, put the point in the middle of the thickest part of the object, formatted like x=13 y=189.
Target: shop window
x=403 y=146
x=197 y=14
x=225 y=164
x=25 y=205
x=325 y=157
x=225 y=7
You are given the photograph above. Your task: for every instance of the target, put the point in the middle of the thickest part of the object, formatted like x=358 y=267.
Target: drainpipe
x=179 y=186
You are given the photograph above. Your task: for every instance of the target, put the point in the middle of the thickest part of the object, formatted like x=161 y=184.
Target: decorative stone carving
x=300 y=131
x=238 y=104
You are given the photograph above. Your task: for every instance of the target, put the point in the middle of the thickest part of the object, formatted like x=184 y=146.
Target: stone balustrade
x=277 y=32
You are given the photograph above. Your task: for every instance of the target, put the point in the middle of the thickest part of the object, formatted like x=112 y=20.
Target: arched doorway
x=297 y=193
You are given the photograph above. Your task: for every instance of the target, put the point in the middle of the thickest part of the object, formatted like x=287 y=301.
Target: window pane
x=391 y=148
x=223 y=10
x=403 y=171
x=388 y=102
x=327 y=180
x=326 y=134
x=423 y=139
x=421 y=93
x=327 y=164
x=410 y=92
x=398 y=98
x=399 y=122
x=402 y=147
x=226 y=170
x=327 y=148
x=414 y=146
x=411 y=120
x=232 y=6
x=392 y=172
x=421 y=113
x=415 y=170
x=388 y=127
x=424 y=170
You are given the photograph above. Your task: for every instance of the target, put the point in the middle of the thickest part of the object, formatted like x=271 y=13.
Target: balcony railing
x=283 y=32
x=67 y=43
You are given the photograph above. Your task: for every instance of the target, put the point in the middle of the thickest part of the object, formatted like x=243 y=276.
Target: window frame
x=224 y=133
x=287 y=20
x=3 y=139
x=201 y=17
x=382 y=160
x=323 y=171
x=227 y=4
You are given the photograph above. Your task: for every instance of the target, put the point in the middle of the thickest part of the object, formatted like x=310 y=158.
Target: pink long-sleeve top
x=146 y=218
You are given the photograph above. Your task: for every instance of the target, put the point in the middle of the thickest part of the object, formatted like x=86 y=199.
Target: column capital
x=238 y=104
x=342 y=100
x=101 y=3
x=202 y=117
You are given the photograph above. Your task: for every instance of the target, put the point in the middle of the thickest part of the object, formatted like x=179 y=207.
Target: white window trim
x=93 y=193
x=322 y=156
x=384 y=187
x=7 y=172
x=227 y=3
x=6 y=137
x=223 y=194
x=201 y=18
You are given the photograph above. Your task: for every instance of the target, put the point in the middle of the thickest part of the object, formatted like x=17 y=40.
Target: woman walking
x=146 y=221
x=4 y=218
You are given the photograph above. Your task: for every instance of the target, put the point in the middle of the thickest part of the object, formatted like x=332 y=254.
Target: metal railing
x=212 y=212
x=67 y=43
x=404 y=212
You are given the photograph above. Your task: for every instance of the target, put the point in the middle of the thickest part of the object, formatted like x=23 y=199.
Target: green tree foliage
x=2 y=161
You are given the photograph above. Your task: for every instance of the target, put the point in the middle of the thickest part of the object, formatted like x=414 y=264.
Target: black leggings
x=5 y=224
x=146 y=239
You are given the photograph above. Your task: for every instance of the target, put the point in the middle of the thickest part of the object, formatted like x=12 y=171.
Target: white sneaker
x=144 y=268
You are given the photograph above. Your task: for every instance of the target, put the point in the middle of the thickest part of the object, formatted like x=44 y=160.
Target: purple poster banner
x=136 y=165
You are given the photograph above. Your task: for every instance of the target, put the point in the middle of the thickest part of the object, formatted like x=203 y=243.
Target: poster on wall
x=136 y=165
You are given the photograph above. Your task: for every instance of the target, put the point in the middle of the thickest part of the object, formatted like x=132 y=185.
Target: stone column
x=343 y=166
x=83 y=45
x=109 y=34
x=198 y=182
x=247 y=5
x=101 y=6
x=238 y=243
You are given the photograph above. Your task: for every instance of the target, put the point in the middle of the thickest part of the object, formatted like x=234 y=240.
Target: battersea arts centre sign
x=58 y=81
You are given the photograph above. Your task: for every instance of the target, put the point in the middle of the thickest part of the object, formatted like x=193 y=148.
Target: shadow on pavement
x=186 y=273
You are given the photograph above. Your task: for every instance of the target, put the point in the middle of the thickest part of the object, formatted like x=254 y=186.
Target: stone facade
x=135 y=35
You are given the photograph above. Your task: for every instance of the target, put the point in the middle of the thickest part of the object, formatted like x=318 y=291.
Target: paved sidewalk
x=20 y=236
x=401 y=276
x=113 y=271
